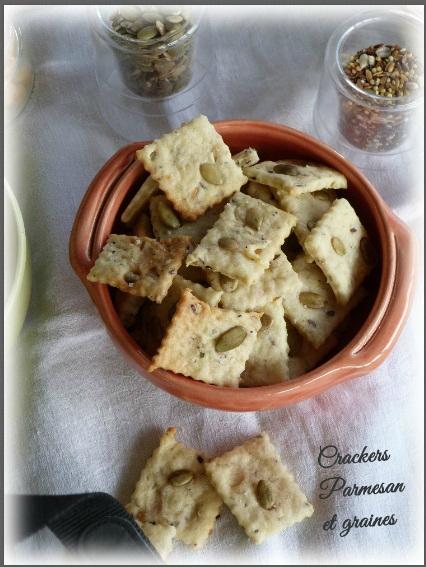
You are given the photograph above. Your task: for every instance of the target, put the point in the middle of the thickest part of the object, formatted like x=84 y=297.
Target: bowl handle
x=90 y=211
x=382 y=337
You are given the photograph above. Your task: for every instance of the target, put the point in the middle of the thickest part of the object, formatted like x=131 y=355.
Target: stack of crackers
x=234 y=271
x=180 y=493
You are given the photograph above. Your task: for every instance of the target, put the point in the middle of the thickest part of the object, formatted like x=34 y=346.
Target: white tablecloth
x=82 y=420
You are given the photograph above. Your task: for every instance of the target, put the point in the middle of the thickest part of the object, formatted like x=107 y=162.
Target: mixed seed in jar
x=389 y=76
x=154 y=46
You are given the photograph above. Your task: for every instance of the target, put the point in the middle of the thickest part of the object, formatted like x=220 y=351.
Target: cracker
x=344 y=272
x=127 y=307
x=155 y=318
x=148 y=188
x=246 y=157
x=195 y=230
x=191 y=508
x=302 y=356
x=262 y=192
x=270 y=285
x=139 y=265
x=161 y=536
x=174 y=162
x=236 y=474
x=189 y=345
x=308 y=208
x=268 y=361
x=316 y=324
x=253 y=248
x=304 y=178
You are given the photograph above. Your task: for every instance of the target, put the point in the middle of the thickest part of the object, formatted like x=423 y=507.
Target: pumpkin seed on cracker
x=294 y=177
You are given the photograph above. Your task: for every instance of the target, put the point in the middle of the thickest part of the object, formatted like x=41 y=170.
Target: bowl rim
x=18 y=277
x=343 y=365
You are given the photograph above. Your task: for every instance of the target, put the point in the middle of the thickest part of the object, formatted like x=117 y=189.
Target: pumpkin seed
x=227 y=284
x=228 y=243
x=322 y=195
x=147 y=33
x=286 y=169
x=263 y=193
x=167 y=216
x=174 y=19
x=367 y=251
x=264 y=495
x=160 y=27
x=253 y=218
x=131 y=277
x=230 y=339
x=211 y=173
x=311 y=299
x=266 y=320
x=338 y=246
x=181 y=477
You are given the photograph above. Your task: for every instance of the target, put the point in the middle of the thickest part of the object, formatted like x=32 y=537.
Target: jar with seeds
x=152 y=47
x=371 y=89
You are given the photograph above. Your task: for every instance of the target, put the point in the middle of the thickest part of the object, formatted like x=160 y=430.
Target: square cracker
x=315 y=321
x=270 y=285
x=195 y=230
x=189 y=345
x=296 y=176
x=174 y=162
x=268 y=361
x=252 y=248
x=139 y=265
x=345 y=271
x=166 y=309
x=191 y=508
x=308 y=208
x=236 y=474
x=160 y=535
x=302 y=357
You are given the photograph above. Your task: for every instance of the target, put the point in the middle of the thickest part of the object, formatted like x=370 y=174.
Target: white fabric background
x=82 y=420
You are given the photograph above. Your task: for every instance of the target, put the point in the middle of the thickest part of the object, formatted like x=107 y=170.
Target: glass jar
x=352 y=117
x=18 y=74
x=161 y=78
x=152 y=50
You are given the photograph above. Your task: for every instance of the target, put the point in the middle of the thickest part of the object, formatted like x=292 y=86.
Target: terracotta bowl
x=370 y=333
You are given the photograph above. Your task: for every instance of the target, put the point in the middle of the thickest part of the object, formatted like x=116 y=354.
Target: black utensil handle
x=83 y=522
